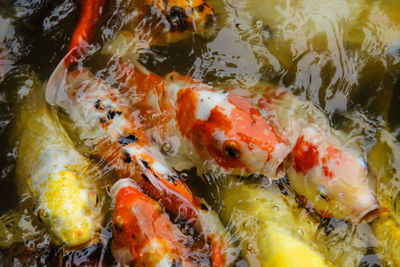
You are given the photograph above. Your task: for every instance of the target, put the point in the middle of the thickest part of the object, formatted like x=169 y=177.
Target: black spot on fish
x=203 y=207
x=130 y=138
x=98 y=105
x=104 y=121
x=200 y=8
x=177 y=19
x=111 y=114
x=127 y=157
x=146 y=164
x=324 y=197
x=172 y=178
x=145 y=178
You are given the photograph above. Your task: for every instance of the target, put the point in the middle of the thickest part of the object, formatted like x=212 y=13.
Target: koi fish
x=330 y=174
x=196 y=125
x=268 y=228
x=245 y=145
x=106 y=124
x=167 y=21
x=144 y=234
x=173 y=20
x=384 y=159
x=61 y=181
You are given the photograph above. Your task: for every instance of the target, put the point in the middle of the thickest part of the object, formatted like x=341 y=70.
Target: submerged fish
x=159 y=22
x=172 y=20
x=144 y=234
x=62 y=182
x=384 y=163
x=331 y=175
x=197 y=125
x=267 y=227
x=107 y=125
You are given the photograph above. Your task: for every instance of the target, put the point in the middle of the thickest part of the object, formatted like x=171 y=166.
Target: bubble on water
x=252 y=248
x=275 y=208
x=259 y=24
x=166 y=148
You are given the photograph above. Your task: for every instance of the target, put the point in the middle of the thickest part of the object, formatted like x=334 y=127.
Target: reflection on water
x=343 y=56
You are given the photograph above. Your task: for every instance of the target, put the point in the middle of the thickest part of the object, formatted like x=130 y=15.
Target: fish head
x=70 y=209
x=332 y=177
x=142 y=232
x=228 y=130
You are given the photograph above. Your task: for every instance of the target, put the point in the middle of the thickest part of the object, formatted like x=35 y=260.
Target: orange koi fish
x=143 y=234
x=333 y=176
x=107 y=124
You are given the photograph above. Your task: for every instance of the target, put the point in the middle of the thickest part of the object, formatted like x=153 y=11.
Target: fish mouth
x=121 y=183
x=368 y=214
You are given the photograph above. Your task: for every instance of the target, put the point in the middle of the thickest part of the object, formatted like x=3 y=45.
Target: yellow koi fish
x=62 y=182
x=267 y=228
x=384 y=160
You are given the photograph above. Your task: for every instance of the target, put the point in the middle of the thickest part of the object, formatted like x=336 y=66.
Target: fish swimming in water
x=109 y=128
x=384 y=163
x=144 y=234
x=197 y=125
x=268 y=227
x=331 y=175
x=105 y=125
x=196 y=120
x=162 y=22
x=62 y=183
x=172 y=20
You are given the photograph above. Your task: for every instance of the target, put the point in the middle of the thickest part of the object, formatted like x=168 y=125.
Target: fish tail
x=90 y=13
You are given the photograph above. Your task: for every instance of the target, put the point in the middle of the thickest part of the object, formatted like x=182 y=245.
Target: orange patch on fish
x=306 y=155
x=139 y=223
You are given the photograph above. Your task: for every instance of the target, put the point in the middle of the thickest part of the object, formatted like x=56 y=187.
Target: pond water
x=342 y=56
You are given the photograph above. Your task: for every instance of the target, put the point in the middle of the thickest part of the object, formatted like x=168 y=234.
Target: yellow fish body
x=384 y=160
x=60 y=180
x=268 y=232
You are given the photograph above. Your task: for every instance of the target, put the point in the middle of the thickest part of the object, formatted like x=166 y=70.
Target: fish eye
x=42 y=215
x=231 y=149
x=93 y=198
x=323 y=193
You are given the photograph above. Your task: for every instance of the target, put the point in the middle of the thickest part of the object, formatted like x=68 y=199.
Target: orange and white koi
x=332 y=175
x=210 y=128
x=106 y=123
x=200 y=118
x=144 y=234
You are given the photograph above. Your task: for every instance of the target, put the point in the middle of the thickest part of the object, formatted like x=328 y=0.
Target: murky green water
x=343 y=56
